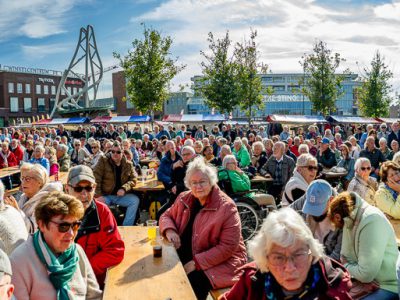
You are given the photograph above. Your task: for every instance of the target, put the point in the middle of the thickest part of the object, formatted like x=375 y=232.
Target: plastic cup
x=151 y=229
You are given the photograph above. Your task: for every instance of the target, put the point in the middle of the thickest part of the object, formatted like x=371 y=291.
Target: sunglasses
x=117 y=152
x=79 y=189
x=312 y=168
x=365 y=168
x=65 y=226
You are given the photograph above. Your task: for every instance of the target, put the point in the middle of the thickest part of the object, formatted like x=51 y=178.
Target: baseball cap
x=80 y=173
x=5 y=265
x=325 y=141
x=317 y=196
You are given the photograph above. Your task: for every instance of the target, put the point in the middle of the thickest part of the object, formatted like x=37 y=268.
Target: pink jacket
x=217 y=243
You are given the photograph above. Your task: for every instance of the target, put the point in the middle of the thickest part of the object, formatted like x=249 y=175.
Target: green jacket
x=242 y=156
x=373 y=253
x=239 y=182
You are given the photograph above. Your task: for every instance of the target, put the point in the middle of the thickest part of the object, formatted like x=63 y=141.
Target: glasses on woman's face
x=312 y=168
x=26 y=178
x=279 y=260
x=64 y=227
x=365 y=168
x=201 y=183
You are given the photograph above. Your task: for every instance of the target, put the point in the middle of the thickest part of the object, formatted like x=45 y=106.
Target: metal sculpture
x=87 y=53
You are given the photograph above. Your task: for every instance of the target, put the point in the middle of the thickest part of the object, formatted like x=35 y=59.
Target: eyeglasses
x=116 y=152
x=186 y=154
x=312 y=168
x=79 y=189
x=65 y=226
x=279 y=260
x=202 y=183
x=365 y=168
x=95 y=147
x=26 y=178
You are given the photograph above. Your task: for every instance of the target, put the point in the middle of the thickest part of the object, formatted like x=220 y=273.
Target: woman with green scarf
x=49 y=265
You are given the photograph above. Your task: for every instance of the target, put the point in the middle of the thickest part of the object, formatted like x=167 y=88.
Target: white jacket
x=297 y=181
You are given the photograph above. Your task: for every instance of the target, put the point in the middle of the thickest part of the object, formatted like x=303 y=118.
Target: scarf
x=60 y=269
x=273 y=290
x=392 y=192
x=5 y=156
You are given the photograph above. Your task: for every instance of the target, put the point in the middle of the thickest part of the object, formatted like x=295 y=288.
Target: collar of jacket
x=123 y=160
x=211 y=203
x=90 y=221
x=349 y=221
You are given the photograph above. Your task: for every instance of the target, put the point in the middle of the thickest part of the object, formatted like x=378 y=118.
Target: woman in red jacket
x=204 y=226
x=289 y=263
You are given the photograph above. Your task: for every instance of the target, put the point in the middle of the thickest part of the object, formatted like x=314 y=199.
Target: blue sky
x=43 y=33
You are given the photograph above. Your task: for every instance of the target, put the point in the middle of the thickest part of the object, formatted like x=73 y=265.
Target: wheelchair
x=251 y=211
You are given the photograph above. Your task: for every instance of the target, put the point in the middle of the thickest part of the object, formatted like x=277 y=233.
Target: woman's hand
x=173 y=238
x=189 y=267
x=10 y=200
x=393 y=185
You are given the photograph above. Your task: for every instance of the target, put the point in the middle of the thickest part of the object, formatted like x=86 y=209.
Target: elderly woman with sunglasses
x=49 y=265
x=97 y=153
x=363 y=184
x=304 y=173
x=387 y=197
x=204 y=226
x=289 y=263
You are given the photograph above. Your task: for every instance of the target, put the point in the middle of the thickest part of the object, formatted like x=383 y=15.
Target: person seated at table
x=387 y=153
x=127 y=145
x=63 y=158
x=79 y=154
x=280 y=167
x=12 y=226
x=268 y=145
x=363 y=184
x=369 y=250
x=147 y=145
x=97 y=153
x=304 y=149
x=208 y=154
x=98 y=235
x=28 y=150
x=50 y=154
x=346 y=162
x=325 y=155
x=289 y=263
x=7 y=158
x=225 y=150
x=17 y=150
x=241 y=153
x=49 y=265
x=387 y=197
x=304 y=173
x=198 y=147
x=140 y=151
x=374 y=155
x=38 y=158
x=204 y=226
x=115 y=178
x=259 y=157
x=165 y=169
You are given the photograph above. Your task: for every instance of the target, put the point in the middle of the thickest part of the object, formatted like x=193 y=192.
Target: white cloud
x=388 y=11
x=40 y=51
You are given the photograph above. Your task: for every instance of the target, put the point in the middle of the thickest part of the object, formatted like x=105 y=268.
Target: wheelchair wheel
x=249 y=220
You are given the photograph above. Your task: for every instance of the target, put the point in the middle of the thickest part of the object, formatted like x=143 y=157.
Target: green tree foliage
x=320 y=83
x=148 y=70
x=218 y=81
x=373 y=95
x=248 y=83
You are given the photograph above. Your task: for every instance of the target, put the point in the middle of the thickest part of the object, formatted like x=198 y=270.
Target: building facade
x=26 y=93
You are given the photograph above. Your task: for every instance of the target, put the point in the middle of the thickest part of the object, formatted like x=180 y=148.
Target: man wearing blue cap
x=325 y=156
x=318 y=195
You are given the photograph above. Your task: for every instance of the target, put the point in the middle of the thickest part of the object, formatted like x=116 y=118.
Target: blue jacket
x=43 y=161
x=163 y=132
x=165 y=169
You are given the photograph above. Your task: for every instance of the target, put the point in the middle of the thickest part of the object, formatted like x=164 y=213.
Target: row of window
x=41 y=104
x=46 y=90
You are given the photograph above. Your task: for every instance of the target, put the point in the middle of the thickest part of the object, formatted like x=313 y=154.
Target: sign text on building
x=29 y=70
x=285 y=98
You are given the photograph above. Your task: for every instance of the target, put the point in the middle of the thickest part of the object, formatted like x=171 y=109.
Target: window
x=75 y=90
x=41 y=105
x=27 y=105
x=53 y=89
x=129 y=104
x=51 y=104
x=27 y=88
x=13 y=104
x=19 y=88
x=69 y=90
x=62 y=91
x=11 y=87
x=46 y=89
x=38 y=89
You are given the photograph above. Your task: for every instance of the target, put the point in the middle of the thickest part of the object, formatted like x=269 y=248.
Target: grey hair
x=360 y=161
x=227 y=148
x=305 y=146
x=63 y=148
x=283 y=228
x=228 y=159
x=199 y=165
x=38 y=172
x=382 y=139
x=238 y=141
x=396 y=158
x=304 y=159
x=189 y=148
x=188 y=142
x=258 y=144
x=40 y=147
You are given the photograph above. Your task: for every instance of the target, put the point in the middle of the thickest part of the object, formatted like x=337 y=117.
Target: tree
x=148 y=70
x=218 y=81
x=248 y=82
x=373 y=95
x=320 y=83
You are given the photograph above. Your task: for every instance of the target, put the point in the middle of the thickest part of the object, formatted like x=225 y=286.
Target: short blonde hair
x=284 y=228
x=37 y=171
x=199 y=165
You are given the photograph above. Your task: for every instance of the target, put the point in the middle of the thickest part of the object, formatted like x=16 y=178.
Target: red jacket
x=18 y=153
x=334 y=284
x=100 y=238
x=11 y=160
x=217 y=243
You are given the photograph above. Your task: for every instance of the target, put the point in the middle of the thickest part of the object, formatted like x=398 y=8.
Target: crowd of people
x=325 y=239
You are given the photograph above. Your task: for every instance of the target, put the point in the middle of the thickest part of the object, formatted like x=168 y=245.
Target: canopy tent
x=78 y=120
x=351 y=120
x=295 y=119
x=214 y=118
x=42 y=122
x=172 y=118
x=101 y=119
x=138 y=119
x=194 y=118
x=58 y=121
x=388 y=120
x=119 y=119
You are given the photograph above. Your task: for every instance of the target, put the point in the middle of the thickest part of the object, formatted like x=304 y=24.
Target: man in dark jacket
x=394 y=135
x=325 y=156
x=165 y=169
x=115 y=179
x=98 y=235
x=374 y=155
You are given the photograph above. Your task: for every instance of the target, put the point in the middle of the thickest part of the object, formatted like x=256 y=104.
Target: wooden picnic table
x=261 y=179
x=333 y=175
x=9 y=171
x=140 y=275
x=62 y=177
x=396 y=227
x=150 y=184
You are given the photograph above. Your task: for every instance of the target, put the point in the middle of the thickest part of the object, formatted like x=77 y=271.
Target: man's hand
x=121 y=192
x=178 y=164
x=189 y=267
x=173 y=238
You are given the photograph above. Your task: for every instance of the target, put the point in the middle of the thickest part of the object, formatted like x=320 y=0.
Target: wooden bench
x=12 y=191
x=215 y=294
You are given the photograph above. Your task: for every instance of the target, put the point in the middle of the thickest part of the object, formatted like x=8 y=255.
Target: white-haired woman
x=38 y=158
x=97 y=153
x=34 y=186
x=204 y=226
x=259 y=157
x=304 y=173
x=363 y=184
x=289 y=262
